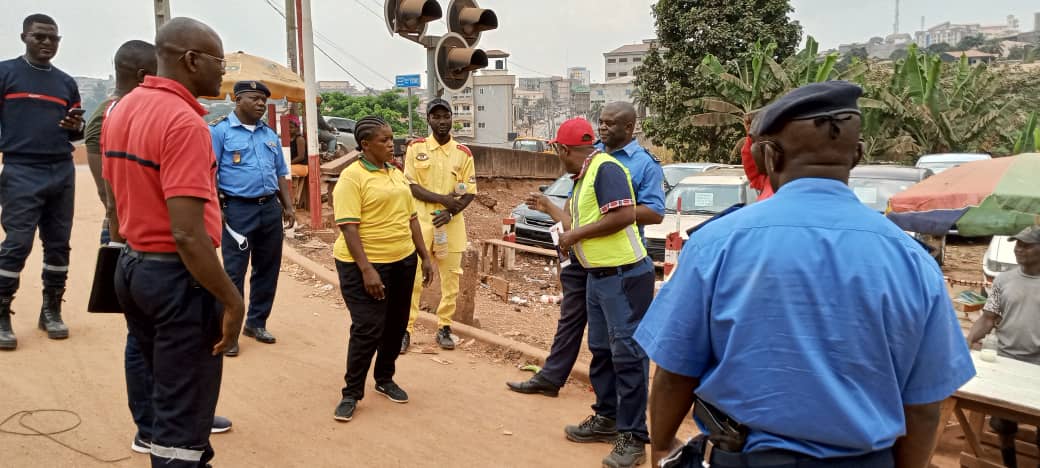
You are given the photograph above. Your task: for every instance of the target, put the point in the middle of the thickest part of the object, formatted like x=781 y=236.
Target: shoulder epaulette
x=215 y=122
x=465 y=149
x=417 y=140
x=654 y=157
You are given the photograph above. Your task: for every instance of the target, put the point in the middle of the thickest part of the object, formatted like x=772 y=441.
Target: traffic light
x=468 y=20
x=455 y=61
x=410 y=17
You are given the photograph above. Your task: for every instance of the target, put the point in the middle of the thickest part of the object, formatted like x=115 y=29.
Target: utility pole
x=312 y=112
x=290 y=34
x=895 y=26
x=162 y=13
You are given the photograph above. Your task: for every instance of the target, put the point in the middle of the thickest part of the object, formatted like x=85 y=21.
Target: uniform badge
x=422 y=157
x=236 y=158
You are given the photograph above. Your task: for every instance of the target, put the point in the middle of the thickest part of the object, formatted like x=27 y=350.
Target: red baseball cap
x=575 y=132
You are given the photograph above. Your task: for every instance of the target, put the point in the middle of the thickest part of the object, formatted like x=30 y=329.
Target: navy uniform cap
x=251 y=86
x=826 y=99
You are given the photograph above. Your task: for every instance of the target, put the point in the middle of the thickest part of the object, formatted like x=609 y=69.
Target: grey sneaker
x=594 y=428
x=393 y=392
x=444 y=339
x=220 y=425
x=345 y=410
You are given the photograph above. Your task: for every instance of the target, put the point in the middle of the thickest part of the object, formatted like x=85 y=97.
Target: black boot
x=7 y=338
x=50 y=314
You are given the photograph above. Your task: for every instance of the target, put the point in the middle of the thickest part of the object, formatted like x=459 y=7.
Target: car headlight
x=997 y=267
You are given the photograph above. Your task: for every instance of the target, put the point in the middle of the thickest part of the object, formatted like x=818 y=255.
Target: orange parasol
x=281 y=80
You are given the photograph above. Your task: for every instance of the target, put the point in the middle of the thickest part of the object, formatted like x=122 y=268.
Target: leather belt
x=613 y=271
x=254 y=200
x=154 y=256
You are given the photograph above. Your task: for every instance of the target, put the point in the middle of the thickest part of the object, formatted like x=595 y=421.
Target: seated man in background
x=1013 y=309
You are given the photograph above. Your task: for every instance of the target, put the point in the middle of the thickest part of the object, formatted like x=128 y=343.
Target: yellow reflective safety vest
x=618 y=249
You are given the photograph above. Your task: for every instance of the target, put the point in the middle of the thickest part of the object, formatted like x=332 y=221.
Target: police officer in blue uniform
x=803 y=340
x=255 y=197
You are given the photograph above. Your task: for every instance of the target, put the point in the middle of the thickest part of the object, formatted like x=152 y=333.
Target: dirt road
x=281 y=396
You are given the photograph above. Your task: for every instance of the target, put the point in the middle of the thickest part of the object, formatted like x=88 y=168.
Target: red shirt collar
x=172 y=86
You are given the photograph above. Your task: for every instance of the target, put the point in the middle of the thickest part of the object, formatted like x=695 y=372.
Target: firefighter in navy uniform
x=255 y=198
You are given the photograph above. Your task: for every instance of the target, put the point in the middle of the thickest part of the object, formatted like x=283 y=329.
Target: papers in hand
x=563 y=257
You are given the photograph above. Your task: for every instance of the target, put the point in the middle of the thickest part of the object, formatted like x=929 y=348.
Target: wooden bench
x=493 y=250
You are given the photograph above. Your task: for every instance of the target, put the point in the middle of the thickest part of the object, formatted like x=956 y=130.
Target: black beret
x=437 y=103
x=826 y=99
x=247 y=86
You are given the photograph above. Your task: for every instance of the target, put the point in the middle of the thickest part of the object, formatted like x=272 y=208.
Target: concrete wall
x=510 y=164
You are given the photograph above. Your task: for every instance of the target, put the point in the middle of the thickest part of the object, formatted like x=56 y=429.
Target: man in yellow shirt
x=444 y=183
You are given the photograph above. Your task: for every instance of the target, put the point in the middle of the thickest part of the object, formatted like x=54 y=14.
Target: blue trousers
x=174 y=322
x=36 y=195
x=261 y=224
x=566 y=343
x=139 y=387
x=620 y=369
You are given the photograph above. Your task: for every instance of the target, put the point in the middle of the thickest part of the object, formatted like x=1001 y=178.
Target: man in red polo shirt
x=181 y=307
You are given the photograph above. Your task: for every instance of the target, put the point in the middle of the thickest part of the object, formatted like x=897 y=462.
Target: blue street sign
x=408 y=81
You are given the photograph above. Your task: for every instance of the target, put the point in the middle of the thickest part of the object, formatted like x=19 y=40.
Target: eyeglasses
x=222 y=62
x=42 y=37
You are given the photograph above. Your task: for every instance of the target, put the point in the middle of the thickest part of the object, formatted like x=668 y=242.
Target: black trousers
x=566 y=343
x=34 y=196
x=261 y=224
x=175 y=323
x=376 y=327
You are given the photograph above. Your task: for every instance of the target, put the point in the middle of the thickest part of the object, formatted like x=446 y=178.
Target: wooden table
x=1007 y=389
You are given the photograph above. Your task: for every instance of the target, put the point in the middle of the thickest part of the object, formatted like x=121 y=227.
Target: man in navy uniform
x=255 y=198
x=828 y=340
x=40 y=115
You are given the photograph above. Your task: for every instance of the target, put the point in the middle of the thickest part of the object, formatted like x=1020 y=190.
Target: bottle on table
x=989 y=348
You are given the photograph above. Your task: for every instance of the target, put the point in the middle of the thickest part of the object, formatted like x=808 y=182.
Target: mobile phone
x=77 y=111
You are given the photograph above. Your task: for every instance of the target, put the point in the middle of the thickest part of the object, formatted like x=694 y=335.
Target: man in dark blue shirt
x=40 y=116
x=251 y=173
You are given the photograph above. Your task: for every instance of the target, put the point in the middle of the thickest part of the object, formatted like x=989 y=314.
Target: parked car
x=532 y=226
x=941 y=162
x=344 y=131
x=535 y=145
x=1000 y=257
x=675 y=173
x=703 y=195
x=874 y=185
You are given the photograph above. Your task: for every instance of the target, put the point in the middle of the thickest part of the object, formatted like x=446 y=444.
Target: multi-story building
x=952 y=34
x=580 y=78
x=344 y=87
x=620 y=89
x=622 y=62
x=483 y=111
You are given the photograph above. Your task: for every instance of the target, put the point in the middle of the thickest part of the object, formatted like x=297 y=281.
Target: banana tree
x=1029 y=139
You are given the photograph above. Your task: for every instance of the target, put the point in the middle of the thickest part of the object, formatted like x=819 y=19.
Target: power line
x=368 y=88
x=513 y=62
x=368 y=9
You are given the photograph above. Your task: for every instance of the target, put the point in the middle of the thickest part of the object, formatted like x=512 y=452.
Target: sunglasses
x=42 y=37
x=222 y=62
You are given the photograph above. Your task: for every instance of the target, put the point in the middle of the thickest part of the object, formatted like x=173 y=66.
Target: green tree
x=971 y=42
x=688 y=31
x=939 y=48
x=392 y=106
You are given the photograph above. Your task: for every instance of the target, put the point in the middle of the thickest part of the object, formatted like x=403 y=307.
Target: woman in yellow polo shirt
x=376 y=257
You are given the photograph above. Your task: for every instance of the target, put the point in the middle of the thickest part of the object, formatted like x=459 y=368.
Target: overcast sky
x=543 y=36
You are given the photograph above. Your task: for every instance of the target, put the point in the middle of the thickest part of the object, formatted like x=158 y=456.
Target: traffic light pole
x=432 y=83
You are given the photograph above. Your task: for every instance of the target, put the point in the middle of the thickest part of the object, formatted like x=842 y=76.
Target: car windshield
x=876 y=192
x=703 y=199
x=673 y=175
x=938 y=167
x=528 y=145
x=561 y=188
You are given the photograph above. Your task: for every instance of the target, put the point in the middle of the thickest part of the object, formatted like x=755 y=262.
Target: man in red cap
x=602 y=235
